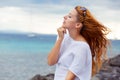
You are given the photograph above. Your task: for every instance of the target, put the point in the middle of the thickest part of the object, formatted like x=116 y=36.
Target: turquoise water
x=24 y=55
x=23 y=43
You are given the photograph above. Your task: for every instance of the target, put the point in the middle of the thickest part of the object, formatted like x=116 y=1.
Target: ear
x=78 y=25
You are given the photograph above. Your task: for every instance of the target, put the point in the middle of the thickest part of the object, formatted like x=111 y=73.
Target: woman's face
x=70 y=19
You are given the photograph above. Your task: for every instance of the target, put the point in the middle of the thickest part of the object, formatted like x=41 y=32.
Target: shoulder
x=81 y=48
x=81 y=45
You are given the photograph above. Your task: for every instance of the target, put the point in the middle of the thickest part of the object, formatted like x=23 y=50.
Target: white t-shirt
x=76 y=57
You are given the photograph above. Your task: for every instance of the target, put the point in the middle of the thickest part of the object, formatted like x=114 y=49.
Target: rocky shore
x=41 y=77
x=109 y=71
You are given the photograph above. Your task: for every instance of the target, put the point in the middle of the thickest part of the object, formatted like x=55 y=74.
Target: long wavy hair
x=95 y=34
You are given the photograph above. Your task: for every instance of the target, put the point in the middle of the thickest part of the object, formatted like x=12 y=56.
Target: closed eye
x=69 y=16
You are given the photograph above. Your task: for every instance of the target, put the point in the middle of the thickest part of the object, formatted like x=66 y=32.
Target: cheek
x=72 y=23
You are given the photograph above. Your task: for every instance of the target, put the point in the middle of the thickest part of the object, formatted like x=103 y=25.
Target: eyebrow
x=70 y=14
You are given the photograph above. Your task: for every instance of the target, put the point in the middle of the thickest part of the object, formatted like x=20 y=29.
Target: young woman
x=78 y=55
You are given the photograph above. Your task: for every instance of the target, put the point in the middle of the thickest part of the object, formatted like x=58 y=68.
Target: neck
x=75 y=35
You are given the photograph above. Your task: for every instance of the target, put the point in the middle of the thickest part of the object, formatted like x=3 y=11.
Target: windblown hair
x=95 y=35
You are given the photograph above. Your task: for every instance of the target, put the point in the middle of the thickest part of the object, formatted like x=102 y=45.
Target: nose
x=65 y=17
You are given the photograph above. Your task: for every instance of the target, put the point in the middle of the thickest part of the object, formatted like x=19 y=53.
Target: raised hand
x=61 y=31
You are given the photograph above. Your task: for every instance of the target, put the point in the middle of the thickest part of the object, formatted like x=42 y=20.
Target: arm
x=70 y=76
x=54 y=53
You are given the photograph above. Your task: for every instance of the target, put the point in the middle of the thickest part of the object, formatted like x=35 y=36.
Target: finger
x=61 y=29
x=64 y=29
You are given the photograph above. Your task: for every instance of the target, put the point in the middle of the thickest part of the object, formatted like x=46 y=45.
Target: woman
x=78 y=55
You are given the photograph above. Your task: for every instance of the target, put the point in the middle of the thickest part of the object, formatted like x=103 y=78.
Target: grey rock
x=115 y=61
x=110 y=71
x=46 y=77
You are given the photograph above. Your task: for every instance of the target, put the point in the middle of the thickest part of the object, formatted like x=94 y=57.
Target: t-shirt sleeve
x=79 y=61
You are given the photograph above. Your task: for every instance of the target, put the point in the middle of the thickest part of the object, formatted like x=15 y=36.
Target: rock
x=110 y=69
x=50 y=76
x=115 y=61
x=46 y=77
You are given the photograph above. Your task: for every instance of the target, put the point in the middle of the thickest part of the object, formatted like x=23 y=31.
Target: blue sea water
x=24 y=55
x=26 y=43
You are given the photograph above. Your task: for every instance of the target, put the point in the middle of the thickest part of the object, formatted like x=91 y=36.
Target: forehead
x=73 y=12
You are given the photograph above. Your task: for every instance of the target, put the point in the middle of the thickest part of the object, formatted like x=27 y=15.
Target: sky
x=45 y=16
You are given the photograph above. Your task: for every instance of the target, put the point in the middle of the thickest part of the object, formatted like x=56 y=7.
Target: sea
x=23 y=55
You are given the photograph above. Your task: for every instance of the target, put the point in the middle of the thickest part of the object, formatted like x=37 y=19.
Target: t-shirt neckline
x=76 y=40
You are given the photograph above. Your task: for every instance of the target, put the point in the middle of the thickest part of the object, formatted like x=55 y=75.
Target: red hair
x=95 y=35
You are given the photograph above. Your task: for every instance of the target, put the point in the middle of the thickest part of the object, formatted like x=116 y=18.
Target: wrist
x=60 y=39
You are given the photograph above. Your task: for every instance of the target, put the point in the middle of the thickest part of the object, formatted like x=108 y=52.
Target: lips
x=63 y=22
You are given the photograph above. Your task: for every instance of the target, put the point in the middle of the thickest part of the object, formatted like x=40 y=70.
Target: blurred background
x=28 y=32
